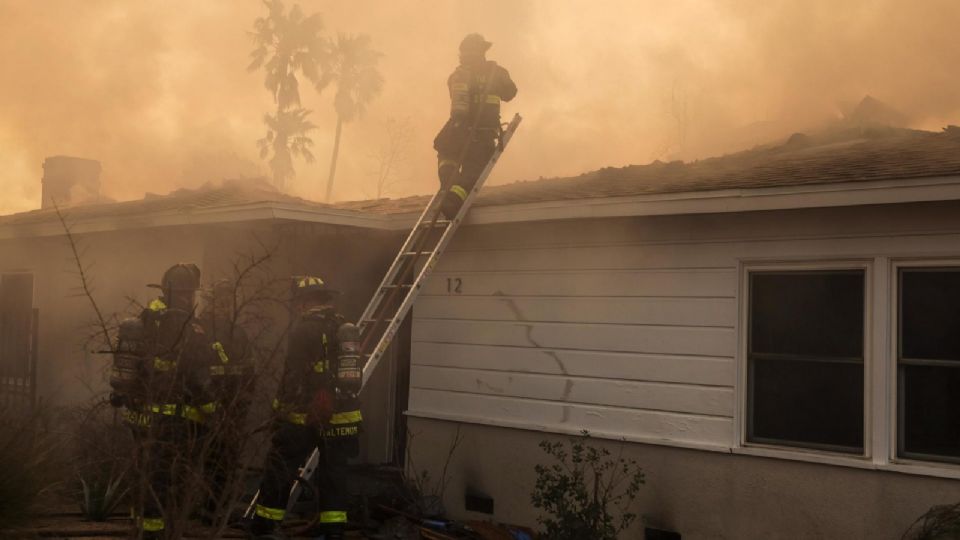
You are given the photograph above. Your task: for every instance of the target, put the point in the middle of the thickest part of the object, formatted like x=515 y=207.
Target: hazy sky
x=158 y=90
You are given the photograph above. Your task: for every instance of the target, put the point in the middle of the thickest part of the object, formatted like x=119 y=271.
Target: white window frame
x=880 y=366
x=742 y=445
x=908 y=464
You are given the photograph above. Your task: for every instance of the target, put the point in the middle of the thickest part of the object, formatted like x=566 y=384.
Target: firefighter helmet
x=310 y=286
x=474 y=43
x=180 y=278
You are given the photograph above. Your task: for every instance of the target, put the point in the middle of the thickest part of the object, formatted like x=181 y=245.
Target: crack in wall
x=482 y=385
x=519 y=316
x=567 y=389
x=556 y=358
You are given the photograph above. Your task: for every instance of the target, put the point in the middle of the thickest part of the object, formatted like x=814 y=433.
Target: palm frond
x=356 y=74
x=287 y=44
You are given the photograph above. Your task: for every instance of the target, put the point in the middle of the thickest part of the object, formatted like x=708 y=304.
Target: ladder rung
x=417 y=253
x=437 y=223
x=402 y=286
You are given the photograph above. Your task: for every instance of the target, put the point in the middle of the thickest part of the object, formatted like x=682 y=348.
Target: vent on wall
x=660 y=534
x=476 y=501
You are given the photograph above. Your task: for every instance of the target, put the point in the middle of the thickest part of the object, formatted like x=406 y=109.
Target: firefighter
x=468 y=139
x=231 y=387
x=160 y=378
x=316 y=407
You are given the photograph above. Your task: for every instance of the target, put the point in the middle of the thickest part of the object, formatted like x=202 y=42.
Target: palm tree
x=353 y=69
x=287 y=137
x=287 y=43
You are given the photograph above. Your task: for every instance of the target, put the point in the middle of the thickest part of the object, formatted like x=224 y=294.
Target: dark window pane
x=930 y=314
x=930 y=404
x=817 y=314
x=807 y=403
x=16 y=314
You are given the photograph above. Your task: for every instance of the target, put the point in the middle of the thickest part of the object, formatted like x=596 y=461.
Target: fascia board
x=721 y=201
x=699 y=202
x=230 y=214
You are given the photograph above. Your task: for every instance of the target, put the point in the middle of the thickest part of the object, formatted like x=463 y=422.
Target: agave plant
x=101 y=497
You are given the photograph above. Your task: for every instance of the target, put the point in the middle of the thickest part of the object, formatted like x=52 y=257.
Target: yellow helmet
x=303 y=286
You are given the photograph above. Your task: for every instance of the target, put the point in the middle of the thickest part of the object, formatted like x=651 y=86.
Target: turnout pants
x=292 y=445
x=462 y=157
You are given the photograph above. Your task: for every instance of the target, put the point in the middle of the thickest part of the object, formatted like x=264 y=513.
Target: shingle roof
x=852 y=155
x=230 y=193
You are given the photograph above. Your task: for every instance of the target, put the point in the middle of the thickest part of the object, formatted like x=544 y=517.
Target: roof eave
x=937 y=188
x=267 y=210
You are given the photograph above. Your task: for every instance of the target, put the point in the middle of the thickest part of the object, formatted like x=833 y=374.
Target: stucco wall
x=700 y=494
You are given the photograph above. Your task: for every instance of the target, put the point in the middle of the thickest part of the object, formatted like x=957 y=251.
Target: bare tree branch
x=84 y=279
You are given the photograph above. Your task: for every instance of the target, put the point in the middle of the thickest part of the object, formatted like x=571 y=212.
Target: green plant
x=587 y=493
x=941 y=522
x=102 y=496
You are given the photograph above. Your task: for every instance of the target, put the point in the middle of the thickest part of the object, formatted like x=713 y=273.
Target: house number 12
x=454 y=285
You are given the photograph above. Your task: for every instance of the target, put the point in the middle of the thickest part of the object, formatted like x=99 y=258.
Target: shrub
x=27 y=461
x=939 y=523
x=587 y=493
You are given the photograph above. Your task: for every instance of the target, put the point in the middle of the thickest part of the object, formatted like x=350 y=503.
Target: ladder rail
x=395 y=266
x=306 y=471
x=406 y=263
x=400 y=263
x=384 y=342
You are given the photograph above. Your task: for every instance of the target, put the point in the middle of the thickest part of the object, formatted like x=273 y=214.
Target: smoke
x=158 y=91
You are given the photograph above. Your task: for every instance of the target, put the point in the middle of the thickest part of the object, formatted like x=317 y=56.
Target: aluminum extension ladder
x=397 y=292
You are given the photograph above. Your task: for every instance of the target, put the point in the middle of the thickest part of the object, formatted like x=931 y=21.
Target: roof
x=840 y=156
x=229 y=193
x=849 y=155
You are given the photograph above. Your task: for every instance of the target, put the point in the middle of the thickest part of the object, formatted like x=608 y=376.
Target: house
x=49 y=333
x=770 y=333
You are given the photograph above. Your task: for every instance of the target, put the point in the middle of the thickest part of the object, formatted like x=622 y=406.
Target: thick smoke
x=159 y=93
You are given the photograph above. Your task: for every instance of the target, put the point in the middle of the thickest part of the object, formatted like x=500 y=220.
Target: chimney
x=70 y=181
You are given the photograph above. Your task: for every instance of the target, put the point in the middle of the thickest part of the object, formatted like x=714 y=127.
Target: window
x=805 y=359
x=928 y=364
x=16 y=312
x=17 y=340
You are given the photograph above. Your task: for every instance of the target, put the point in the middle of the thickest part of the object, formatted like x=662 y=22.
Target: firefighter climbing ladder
x=395 y=296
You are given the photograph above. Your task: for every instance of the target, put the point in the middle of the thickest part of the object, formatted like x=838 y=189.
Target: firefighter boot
x=263 y=529
x=452 y=201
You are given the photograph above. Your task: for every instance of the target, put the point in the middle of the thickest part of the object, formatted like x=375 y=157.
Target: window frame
x=770 y=447
x=895 y=385
x=17 y=384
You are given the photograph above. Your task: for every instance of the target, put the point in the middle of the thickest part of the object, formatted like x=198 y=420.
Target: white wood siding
x=624 y=327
